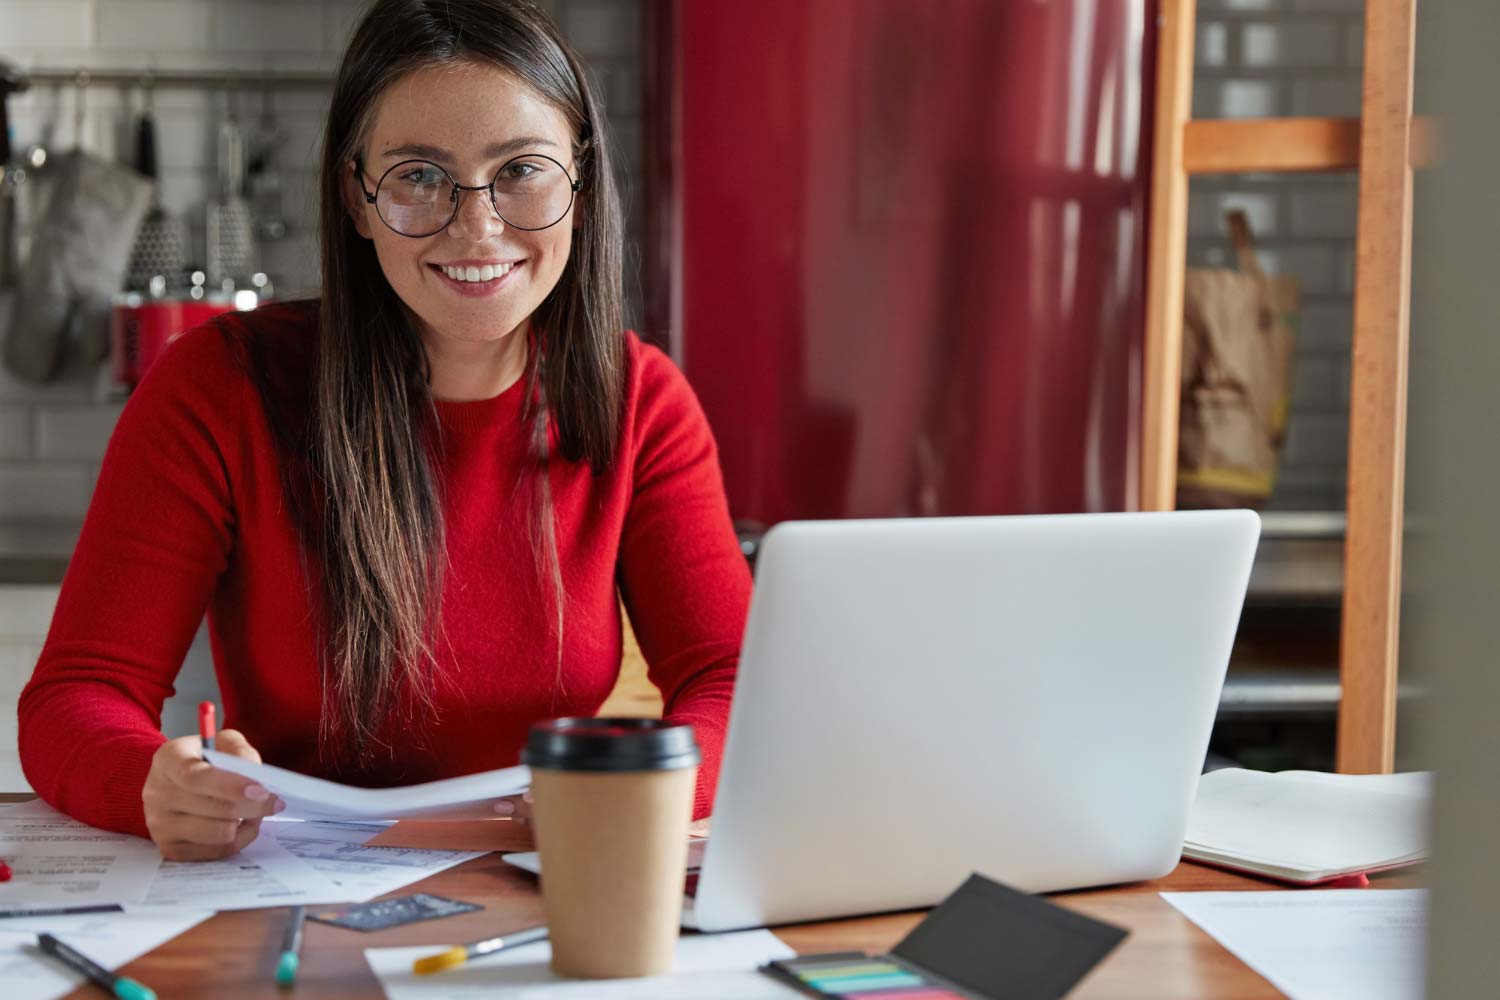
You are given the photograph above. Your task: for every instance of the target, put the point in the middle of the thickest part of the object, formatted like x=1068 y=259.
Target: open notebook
x=1309 y=827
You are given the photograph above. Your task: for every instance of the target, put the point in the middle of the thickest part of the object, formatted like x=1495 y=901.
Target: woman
x=408 y=507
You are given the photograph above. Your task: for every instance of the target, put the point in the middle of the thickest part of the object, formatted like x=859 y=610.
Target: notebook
x=1308 y=827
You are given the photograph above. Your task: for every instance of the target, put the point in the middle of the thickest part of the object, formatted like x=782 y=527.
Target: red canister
x=141 y=328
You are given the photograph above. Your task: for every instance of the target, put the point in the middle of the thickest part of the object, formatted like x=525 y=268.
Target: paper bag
x=1239 y=329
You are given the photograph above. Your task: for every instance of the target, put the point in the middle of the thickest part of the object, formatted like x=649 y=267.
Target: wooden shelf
x=1246 y=145
x=1282 y=145
x=1383 y=145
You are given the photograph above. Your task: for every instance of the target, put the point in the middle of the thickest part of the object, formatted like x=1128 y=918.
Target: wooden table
x=234 y=954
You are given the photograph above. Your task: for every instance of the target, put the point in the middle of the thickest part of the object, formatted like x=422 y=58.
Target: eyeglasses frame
x=574 y=186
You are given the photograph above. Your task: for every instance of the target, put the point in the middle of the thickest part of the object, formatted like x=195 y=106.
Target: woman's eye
x=520 y=171
x=422 y=176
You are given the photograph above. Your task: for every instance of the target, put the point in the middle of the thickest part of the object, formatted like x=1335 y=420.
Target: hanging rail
x=160 y=78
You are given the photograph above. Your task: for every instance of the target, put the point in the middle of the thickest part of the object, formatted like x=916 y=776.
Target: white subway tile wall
x=1263 y=58
x=52 y=436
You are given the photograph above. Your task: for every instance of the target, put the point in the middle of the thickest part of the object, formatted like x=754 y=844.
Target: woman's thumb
x=233 y=741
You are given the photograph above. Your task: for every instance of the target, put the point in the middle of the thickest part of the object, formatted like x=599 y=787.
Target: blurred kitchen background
x=282 y=54
x=781 y=163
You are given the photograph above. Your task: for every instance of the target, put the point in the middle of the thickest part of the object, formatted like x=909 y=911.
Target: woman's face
x=468 y=118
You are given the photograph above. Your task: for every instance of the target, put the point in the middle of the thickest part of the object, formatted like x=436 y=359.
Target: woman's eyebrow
x=491 y=152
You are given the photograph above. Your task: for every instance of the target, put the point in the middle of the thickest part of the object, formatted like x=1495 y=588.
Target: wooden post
x=1377 y=416
x=1166 y=262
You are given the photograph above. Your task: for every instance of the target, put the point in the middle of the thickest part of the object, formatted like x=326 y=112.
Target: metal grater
x=159 y=244
x=231 y=227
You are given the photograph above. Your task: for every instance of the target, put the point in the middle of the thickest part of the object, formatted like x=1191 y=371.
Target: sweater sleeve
x=158 y=534
x=683 y=579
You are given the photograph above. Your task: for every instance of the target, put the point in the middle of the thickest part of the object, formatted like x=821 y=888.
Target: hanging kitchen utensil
x=264 y=179
x=159 y=244
x=39 y=153
x=231 y=228
x=77 y=262
x=11 y=177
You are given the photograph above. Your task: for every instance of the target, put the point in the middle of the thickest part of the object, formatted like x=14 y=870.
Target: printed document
x=337 y=850
x=721 y=966
x=58 y=861
x=111 y=939
x=469 y=797
x=1321 y=944
x=263 y=874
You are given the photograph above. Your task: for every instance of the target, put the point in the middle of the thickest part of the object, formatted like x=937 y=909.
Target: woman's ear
x=354 y=200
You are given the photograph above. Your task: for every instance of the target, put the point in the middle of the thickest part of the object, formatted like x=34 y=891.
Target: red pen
x=206 y=723
x=5 y=872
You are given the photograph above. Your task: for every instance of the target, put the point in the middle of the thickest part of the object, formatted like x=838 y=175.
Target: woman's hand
x=517 y=807
x=195 y=811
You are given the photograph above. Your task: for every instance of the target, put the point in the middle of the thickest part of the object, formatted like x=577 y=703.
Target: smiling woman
x=509 y=213
x=413 y=506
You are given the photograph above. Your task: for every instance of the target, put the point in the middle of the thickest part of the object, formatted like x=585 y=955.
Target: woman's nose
x=476 y=218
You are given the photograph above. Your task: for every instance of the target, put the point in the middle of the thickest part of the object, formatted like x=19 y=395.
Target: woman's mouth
x=471 y=279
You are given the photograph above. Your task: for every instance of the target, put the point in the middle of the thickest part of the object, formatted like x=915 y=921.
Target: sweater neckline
x=476 y=414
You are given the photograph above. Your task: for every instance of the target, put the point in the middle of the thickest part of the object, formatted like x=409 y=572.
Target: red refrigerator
x=899 y=248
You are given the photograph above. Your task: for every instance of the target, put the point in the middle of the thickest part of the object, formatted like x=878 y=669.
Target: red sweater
x=189 y=514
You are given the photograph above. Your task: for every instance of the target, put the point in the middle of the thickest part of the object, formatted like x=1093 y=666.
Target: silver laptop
x=1027 y=697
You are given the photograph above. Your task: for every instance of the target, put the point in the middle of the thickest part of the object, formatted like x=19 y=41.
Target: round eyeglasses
x=419 y=198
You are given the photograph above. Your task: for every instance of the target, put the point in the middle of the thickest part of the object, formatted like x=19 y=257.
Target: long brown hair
x=376 y=527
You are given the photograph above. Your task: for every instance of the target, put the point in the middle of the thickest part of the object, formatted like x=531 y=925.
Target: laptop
x=918 y=699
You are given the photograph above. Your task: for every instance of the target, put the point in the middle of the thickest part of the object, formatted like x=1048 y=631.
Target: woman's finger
x=182 y=828
x=233 y=741
x=182 y=850
x=515 y=806
x=202 y=779
x=249 y=830
x=213 y=807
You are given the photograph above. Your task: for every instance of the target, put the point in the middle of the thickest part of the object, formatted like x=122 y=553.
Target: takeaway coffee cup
x=612 y=800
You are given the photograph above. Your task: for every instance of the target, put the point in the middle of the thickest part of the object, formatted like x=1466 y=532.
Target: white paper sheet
x=1321 y=944
x=109 y=939
x=336 y=849
x=467 y=797
x=58 y=861
x=721 y=966
x=263 y=874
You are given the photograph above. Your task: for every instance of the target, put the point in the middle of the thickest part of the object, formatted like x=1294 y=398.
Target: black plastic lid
x=581 y=744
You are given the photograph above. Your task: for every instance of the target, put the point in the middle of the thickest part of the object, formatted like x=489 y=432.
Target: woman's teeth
x=488 y=272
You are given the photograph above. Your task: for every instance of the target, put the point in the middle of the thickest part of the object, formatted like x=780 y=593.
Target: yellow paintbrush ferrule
x=450 y=959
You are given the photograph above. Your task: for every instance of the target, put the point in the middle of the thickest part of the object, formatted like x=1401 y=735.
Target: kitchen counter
x=1301 y=555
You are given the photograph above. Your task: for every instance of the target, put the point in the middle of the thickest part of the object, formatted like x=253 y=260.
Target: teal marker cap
x=286 y=969
x=129 y=989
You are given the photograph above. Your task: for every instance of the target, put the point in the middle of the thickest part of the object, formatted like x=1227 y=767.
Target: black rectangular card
x=997 y=942
x=383 y=913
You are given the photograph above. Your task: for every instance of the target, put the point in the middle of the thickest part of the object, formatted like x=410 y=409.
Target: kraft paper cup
x=612 y=800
